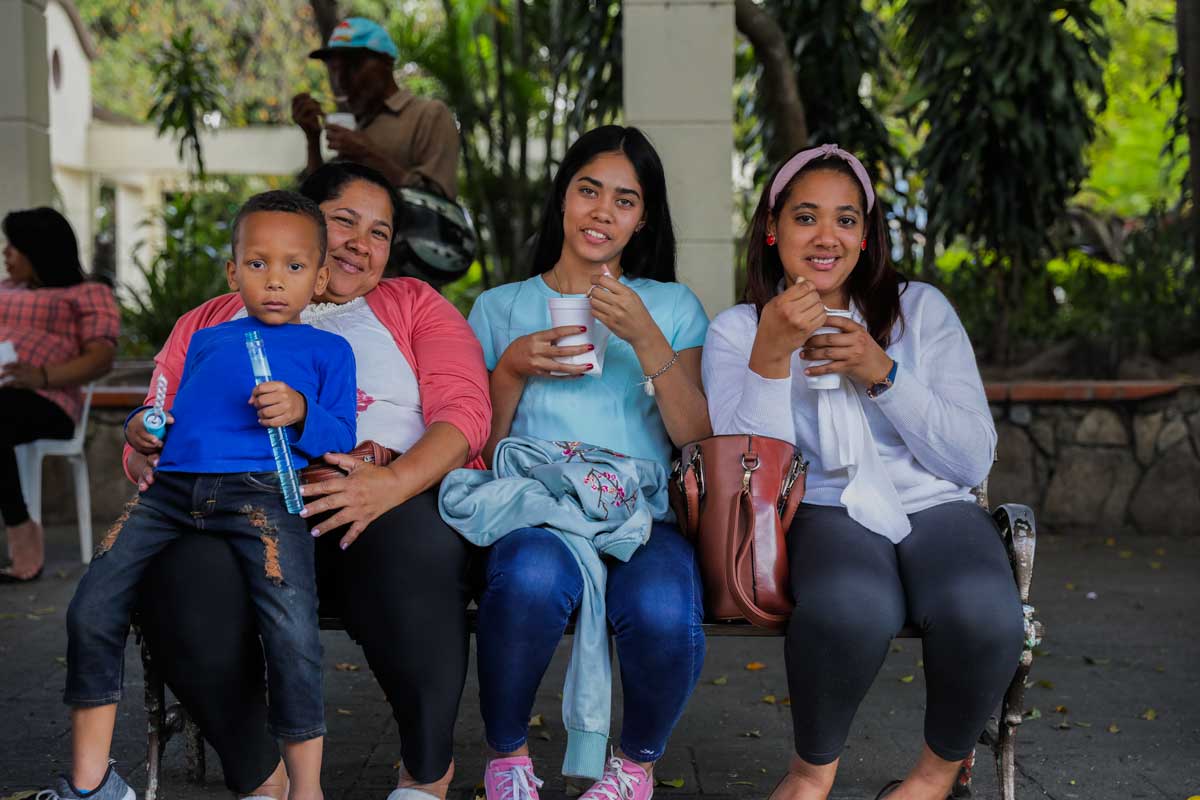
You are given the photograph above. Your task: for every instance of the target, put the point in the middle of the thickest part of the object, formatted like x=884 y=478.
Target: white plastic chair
x=29 y=467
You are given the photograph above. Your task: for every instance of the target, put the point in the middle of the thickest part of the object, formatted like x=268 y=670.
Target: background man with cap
x=412 y=140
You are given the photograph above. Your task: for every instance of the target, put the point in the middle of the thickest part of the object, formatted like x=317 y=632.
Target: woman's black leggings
x=24 y=416
x=401 y=589
x=854 y=590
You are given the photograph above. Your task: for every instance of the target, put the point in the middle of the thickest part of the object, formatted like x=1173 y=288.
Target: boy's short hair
x=288 y=203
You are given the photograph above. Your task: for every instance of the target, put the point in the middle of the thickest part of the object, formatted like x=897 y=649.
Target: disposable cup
x=343 y=119
x=578 y=311
x=832 y=380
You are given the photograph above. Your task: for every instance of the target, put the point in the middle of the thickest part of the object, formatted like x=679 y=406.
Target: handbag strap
x=738 y=566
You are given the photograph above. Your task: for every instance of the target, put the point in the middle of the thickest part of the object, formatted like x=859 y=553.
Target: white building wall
x=678 y=75
x=24 y=110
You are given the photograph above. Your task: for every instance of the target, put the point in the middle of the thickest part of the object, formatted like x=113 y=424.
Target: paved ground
x=1115 y=696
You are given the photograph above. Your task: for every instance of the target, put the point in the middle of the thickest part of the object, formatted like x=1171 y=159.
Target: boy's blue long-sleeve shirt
x=216 y=430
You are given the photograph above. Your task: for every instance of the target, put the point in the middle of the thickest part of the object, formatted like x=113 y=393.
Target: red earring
x=864 y=245
x=770 y=240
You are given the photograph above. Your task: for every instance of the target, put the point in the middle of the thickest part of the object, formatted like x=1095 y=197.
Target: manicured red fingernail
x=590 y=366
x=582 y=328
x=591 y=347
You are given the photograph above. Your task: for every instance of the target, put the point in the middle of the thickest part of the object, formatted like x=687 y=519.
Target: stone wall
x=1102 y=466
x=1111 y=465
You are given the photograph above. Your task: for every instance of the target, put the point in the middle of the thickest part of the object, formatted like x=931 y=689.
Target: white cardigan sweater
x=933 y=429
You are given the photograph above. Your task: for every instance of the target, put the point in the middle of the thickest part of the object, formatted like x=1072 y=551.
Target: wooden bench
x=1016 y=525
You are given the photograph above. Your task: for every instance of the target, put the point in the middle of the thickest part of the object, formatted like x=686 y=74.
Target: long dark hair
x=45 y=237
x=330 y=180
x=874 y=285
x=651 y=251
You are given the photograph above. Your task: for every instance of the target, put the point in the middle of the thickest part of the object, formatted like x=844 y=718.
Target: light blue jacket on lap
x=600 y=503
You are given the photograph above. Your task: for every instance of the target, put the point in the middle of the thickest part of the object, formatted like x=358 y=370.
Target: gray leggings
x=854 y=590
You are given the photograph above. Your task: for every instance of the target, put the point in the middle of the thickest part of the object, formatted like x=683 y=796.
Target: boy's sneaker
x=113 y=787
x=510 y=779
x=622 y=780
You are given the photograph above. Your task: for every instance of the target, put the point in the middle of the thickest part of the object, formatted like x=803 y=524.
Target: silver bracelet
x=648 y=380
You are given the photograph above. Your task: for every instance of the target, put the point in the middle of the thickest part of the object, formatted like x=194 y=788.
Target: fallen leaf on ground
x=1070 y=587
x=1060 y=709
x=787 y=701
x=60 y=660
x=769 y=699
x=44 y=611
x=1033 y=713
x=1160 y=551
x=1126 y=554
x=907 y=678
x=674 y=783
x=755 y=666
x=720 y=680
x=920 y=663
x=741 y=783
x=1083 y=724
x=1045 y=684
x=897 y=648
x=535 y=721
x=1150 y=714
x=1160 y=668
x=1112 y=728
x=1155 y=565
x=10 y=616
x=754 y=734
x=345 y=712
x=345 y=666
x=1111 y=541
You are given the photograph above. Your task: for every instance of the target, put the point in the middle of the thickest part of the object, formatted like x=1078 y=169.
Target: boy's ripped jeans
x=276 y=554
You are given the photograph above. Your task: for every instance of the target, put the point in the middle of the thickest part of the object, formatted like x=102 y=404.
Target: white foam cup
x=343 y=119
x=832 y=380
x=578 y=311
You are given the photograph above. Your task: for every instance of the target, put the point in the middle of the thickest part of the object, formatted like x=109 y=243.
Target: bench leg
x=194 y=742
x=155 y=721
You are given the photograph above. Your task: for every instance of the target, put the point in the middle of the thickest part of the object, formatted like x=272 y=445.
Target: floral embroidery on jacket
x=605 y=484
x=573 y=449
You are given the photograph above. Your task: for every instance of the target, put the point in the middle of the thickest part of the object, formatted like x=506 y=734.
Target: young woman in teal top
x=606 y=235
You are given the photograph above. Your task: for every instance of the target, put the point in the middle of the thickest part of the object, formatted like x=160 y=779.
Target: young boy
x=216 y=473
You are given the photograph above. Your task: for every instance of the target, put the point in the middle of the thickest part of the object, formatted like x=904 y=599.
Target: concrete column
x=24 y=106
x=678 y=77
x=130 y=240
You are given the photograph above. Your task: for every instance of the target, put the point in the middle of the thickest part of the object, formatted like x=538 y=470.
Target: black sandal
x=888 y=788
x=8 y=577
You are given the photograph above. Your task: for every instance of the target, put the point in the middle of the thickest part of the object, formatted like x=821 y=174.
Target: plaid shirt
x=50 y=326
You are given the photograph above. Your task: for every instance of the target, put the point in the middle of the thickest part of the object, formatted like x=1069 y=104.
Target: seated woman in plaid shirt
x=63 y=329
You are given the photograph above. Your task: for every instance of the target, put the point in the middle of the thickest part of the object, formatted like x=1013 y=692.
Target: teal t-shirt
x=611 y=410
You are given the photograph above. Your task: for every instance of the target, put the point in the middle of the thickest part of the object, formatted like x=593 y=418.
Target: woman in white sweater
x=888 y=532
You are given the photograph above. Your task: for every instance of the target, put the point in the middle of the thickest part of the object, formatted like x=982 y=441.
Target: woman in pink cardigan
x=386 y=563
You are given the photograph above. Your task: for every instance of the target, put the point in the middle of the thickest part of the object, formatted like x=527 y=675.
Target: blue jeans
x=654 y=604
x=275 y=552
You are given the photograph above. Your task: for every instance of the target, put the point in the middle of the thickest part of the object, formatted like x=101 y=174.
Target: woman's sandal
x=888 y=788
x=8 y=577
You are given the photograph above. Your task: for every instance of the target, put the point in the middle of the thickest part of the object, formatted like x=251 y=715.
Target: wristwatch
x=877 y=389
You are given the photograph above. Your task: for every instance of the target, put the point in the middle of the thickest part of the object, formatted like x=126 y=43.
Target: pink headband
x=798 y=161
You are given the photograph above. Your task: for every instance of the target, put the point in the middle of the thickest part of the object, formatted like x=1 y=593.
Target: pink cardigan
x=430 y=333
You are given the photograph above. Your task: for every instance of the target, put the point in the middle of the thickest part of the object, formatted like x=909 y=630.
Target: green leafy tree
x=524 y=79
x=1007 y=93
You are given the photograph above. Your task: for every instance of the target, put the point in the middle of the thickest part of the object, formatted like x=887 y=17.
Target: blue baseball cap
x=357 y=33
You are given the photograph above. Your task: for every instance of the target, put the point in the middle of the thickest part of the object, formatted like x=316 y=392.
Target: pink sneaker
x=510 y=779
x=622 y=780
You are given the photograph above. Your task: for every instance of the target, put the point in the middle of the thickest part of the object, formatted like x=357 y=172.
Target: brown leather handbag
x=370 y=452
x=735 y=496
